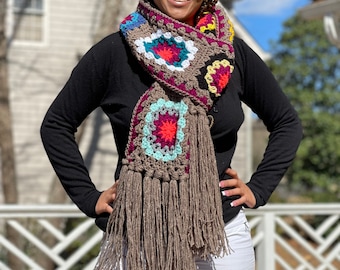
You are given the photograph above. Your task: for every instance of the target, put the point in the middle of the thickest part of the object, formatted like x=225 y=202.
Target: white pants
x=242 y=252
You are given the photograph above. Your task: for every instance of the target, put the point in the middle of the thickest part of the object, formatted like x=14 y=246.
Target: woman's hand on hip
x=238 y=188
x=105 y=199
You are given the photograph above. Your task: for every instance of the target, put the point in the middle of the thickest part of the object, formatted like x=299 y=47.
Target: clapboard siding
x=37 y=73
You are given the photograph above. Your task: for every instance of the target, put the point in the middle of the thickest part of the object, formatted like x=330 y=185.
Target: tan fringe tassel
x=206 y=235
x=133 y=214
x=154 y=233
x=154 y=248
x=122 y=237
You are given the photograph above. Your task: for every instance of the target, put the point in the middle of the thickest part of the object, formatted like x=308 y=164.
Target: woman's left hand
x=238 y=187
x=106 y=199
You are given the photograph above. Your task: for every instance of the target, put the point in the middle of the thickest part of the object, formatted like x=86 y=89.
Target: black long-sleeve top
x=108 y=76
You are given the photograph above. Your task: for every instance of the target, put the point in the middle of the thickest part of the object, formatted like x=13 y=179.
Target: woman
x=171 y=82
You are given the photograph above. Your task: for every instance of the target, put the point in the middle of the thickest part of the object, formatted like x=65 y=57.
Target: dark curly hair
x=207 y=6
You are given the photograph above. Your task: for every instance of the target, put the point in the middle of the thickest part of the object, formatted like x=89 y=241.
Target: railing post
x=265 y=251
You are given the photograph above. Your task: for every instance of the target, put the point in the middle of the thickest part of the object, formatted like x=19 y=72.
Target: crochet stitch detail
x=172 y=52
x=163 y=130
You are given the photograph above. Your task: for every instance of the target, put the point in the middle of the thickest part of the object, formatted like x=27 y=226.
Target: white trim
x=319 y=9
x=329 y=12
x=244 y=34
x=332 y=28
x=45 y=27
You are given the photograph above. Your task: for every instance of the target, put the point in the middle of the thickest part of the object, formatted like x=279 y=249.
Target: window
x=28 y=20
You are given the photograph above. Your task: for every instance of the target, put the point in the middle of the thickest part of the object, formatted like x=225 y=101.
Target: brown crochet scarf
x=168 y=208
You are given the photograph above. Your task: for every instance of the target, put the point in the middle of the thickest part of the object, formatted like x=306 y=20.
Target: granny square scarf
x=168 y=208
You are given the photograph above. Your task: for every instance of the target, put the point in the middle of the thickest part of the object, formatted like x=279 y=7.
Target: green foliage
x=307 y=67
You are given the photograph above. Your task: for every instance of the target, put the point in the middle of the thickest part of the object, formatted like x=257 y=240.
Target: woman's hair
x=207 y=6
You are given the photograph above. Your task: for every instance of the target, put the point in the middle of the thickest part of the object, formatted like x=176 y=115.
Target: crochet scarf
x=168 y=208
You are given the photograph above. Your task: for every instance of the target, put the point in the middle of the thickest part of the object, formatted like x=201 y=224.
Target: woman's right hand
x=105 y=199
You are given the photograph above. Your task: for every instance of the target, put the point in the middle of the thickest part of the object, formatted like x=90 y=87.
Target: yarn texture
x=168 y=208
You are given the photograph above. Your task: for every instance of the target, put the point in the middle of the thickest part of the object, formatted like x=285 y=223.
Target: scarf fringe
x=122 y=236
x=164 y=225
x=206 y=236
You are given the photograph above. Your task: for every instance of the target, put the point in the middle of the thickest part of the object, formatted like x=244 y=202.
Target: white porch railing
x=285 y=236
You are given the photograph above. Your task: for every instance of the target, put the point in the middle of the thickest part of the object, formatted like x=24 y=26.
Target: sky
x=263 y=19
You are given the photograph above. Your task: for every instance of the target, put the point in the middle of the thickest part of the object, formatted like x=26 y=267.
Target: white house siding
x=38 y=72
